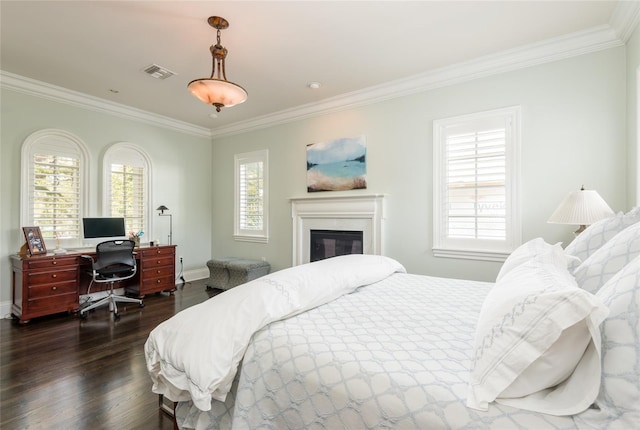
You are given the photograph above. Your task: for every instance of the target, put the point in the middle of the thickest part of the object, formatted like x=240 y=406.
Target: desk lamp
x=582 y=208
x=163 y=208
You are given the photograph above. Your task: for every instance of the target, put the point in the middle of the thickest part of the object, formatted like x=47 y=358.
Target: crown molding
x=58 y=94
x=595 y=39
x=625 y=19
x=623 y=23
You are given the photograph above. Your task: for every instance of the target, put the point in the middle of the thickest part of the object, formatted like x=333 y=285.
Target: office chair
x=114 y=262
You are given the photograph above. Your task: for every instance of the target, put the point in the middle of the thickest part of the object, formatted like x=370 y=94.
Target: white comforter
x=195 y=354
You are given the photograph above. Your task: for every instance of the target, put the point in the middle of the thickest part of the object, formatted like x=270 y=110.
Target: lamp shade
x=218 y=92
x=582 y=207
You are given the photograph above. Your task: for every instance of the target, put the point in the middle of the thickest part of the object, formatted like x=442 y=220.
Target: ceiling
x=276 y=49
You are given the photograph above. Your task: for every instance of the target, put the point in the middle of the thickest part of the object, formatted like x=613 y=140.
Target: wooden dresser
x=157 y=269
x=48 y=284
x=44 y=285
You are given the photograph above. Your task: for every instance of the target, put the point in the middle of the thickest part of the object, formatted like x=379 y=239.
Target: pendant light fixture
x=216 y=90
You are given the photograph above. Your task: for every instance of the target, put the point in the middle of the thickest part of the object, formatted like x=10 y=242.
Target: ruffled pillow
x=536 y=249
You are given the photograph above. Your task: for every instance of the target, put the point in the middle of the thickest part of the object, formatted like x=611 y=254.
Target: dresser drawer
x=157 y=251
x=156 y=272
x=51 y=290
x=51 y=262
x=53 y=304
x=154 y=285
x=36 y=278
x=158 y=261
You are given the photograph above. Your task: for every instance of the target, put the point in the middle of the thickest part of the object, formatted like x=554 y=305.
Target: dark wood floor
x=61 y=372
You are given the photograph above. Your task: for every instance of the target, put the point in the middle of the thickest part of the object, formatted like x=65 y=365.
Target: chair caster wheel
x=83 y=316
x=116 y=315
x=142 y=305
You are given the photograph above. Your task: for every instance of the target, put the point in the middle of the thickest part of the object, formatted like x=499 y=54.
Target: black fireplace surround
x=331 y=243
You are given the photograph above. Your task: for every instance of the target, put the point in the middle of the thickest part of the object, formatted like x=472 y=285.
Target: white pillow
x=603 y=264
x=535 y=318
x=535 y=248
x=619 y=397
x=599 y=233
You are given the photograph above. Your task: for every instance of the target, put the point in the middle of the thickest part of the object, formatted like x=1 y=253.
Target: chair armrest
x=88 y=257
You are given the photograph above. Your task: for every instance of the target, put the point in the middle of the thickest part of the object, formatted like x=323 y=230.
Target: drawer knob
x=54 y=276
x=158 y=281
x=54 y=262
x=159 y=271
x=158 y=251
x=158 y=261
x=54 y=288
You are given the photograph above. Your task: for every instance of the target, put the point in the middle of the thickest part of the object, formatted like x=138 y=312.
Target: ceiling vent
x=158 y=72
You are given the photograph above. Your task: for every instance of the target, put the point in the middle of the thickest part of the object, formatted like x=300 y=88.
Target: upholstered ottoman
x=228 y=272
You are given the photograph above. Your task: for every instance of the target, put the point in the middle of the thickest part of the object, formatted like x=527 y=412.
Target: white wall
x=573 y=133
x=633 y=116
x=181 y=174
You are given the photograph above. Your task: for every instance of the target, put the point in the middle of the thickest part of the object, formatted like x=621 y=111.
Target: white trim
x=148 y=181
x=558 y=48
x=622 y=24
x=25 y=170
x=351 y=212
x=625 y=18
x=258 y=236
x=58 y=94
x=466 y=254
x=479 y=249
x=637 y=142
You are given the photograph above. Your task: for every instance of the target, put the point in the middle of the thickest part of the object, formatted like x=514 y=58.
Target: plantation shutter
x=55 y=188
x=128 y=183
x=251 y=196
x=475 y=199
x=251 y=192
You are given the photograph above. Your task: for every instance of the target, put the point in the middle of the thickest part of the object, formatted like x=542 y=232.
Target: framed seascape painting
x=337 y=165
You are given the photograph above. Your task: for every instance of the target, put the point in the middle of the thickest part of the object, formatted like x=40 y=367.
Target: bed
x=355 y=342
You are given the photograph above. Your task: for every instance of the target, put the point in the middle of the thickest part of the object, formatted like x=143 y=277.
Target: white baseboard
x=196 y=274
x=5 y=310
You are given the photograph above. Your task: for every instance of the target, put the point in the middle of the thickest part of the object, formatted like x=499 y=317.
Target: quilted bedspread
x=194 y=355
x=392 y=355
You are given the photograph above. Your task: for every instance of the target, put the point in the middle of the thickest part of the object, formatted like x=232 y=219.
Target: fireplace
x=355 y=223
x=331 y=243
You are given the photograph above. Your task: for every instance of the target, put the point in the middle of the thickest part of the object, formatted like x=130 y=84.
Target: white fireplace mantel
x=347 y=213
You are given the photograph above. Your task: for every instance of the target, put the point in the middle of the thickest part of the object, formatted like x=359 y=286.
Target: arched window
x=126 y=186
x=54 y=184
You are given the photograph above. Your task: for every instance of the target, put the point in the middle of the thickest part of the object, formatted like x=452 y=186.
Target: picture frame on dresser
x=35 y=241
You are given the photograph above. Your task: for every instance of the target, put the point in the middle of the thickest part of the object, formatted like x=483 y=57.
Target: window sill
x=255 y=239
x=466 y=254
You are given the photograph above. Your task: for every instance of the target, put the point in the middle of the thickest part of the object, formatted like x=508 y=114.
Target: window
x=53 y=190
x=251 y=196
x=476 y=212
x=127 y=170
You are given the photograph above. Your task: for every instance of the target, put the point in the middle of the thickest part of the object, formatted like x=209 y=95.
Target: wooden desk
x=52 y=283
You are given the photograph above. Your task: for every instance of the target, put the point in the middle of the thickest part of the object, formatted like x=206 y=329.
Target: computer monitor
x=96 y=230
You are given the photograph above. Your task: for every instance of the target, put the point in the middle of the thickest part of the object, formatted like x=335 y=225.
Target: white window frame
x=477 y=249
x=132 y=155
x=251 y=235
x=57 y=142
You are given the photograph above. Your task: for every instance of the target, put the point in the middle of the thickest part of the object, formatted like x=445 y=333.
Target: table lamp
x=582 y=208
